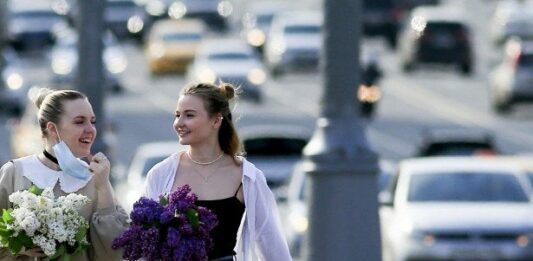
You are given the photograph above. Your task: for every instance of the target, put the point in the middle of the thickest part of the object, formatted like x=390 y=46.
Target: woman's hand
x=33 y=252
x=100 y=166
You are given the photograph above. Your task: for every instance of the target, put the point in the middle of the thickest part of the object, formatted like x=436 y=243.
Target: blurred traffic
x=444 y=97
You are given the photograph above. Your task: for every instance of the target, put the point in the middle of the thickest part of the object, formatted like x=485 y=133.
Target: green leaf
x=59 y=252
x=192 y=216
x=6 y=216
x=163 y=200
x=35 y=190
x=25 y=240
x=81 y=233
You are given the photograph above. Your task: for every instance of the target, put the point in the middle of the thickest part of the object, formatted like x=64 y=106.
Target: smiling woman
x=66 y=121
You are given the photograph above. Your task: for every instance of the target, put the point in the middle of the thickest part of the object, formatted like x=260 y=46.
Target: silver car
x=294 y=43
x=511 y=19
x=457 y=208
x=232 y=61
x=512 y=80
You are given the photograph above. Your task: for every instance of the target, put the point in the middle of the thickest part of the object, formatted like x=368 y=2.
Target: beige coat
x=105 y=224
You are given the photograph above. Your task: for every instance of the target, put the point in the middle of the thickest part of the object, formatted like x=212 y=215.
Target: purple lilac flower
x=165 y=232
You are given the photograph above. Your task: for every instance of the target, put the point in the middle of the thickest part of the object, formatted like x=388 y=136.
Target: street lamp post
x=90 y=78
x=343 y=208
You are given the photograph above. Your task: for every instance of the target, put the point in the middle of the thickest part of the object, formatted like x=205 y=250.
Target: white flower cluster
x=46 y=220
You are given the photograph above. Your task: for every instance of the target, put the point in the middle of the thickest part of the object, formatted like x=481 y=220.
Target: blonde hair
x=49 y=104
x=217 y=100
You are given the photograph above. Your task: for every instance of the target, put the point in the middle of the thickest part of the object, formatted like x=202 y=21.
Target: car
x=229 y=60
x=126 y=19
x=215 y=13
x=32 y=24
x=436 y=35
x=294 y=43
x=145 y=157
x=511 y=82
x=382 y=18
x=456 y=142
x=172 y=44
x=257 y=20
x=457 y=208
x=64 y=60
x=511 y=19
x=295 y=207
x=275 y=149
x=13 y=85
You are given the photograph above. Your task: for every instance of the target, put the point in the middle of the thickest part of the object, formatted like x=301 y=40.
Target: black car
x=456 y=142
x=31 y=27
x=436 y=35
x=382 y=18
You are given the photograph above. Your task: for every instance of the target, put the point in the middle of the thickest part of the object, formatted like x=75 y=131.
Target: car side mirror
x=385 y=199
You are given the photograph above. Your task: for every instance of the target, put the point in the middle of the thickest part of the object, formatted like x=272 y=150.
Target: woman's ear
x=51 y=129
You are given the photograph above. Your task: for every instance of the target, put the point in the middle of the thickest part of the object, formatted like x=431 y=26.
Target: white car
x=512 y=80
x=511 y=18
x=457 y=208
x=232 y=61
x=64 y=60
x=146 y=156
x=295 y=210
x=295 y=42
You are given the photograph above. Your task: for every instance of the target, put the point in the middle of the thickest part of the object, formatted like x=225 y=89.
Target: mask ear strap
x=57 y=131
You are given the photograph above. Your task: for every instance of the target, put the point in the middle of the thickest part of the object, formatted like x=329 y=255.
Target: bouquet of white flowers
x=38 y=219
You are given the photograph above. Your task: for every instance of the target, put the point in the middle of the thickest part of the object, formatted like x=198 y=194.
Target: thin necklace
x=205 y=163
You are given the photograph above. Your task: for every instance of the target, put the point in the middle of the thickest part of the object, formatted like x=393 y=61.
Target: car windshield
x=150 y=162
x=456 y=149
x=120 y=5
x=466 y=187
x=526 y=60
x=274 y=146
x=302 y=29
x=442 y=27
x=229 y=56
x=37 y=15
x=181 y=37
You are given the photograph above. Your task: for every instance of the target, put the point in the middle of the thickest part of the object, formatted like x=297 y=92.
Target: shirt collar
x=42 y=176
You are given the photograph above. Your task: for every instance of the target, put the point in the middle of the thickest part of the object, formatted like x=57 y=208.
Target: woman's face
x=192 y=122
x=76 y=126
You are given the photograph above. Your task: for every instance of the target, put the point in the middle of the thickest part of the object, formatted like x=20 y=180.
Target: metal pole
x=343 y=215
x=3 y=23
x=90 y=78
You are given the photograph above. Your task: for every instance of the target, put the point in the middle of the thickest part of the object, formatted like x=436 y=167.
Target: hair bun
x=38 y=94
x=228 y=90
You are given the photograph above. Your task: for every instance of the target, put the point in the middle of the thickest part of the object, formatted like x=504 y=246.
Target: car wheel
x=277 y=72
x=466 y=68
x=407 y=66
x=501 y=107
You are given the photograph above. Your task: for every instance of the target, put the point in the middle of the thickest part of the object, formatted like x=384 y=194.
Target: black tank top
x=229 y=213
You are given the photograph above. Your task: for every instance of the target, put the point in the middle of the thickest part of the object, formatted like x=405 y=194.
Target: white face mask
x=69 y=164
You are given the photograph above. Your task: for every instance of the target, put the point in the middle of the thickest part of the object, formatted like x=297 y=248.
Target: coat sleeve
x=270 y=240
x=107 y=224
x=7 y=185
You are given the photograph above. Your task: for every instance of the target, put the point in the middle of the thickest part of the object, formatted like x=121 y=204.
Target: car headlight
x=177 y=10
x=256 y=37
x=14 y=81
x=135 y=24
x=62 y=66
x=278 y=48
x=155 y=8
x=116 y=64
x=298 y=222
x=207 y=75
x=256 y=76
x=225 y=8
x=157 y=50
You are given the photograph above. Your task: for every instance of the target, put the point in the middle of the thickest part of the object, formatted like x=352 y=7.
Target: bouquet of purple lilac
x=173 y=229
